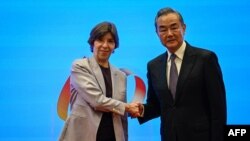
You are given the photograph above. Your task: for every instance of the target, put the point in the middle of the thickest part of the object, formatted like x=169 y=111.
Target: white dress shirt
x=178 y=60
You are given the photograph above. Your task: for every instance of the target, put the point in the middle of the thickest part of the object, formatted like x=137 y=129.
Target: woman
x=98 y=93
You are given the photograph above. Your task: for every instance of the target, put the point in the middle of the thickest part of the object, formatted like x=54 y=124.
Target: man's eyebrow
x=162 y=26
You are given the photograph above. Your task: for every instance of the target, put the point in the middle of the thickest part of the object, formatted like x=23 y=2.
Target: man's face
x=170 y=31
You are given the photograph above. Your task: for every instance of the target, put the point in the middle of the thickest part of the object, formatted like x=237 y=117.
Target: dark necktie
x=173 y=76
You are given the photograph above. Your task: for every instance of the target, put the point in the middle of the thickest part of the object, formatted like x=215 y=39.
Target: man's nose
x=169 y=32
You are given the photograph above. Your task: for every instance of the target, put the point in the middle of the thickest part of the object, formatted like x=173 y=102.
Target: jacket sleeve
x=216 y=96
x=152 y=106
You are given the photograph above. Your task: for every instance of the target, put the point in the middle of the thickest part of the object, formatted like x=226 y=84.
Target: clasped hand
x=134 y=109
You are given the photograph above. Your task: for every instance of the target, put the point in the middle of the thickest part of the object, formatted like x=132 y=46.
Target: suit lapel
x=186 y=67
x=97 y=73
x=162 y=75
x=162 y=78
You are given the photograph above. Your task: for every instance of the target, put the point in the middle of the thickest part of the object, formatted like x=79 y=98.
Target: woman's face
x=103 y=47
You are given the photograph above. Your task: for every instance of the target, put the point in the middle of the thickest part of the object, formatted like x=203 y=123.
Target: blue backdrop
x=39 y=39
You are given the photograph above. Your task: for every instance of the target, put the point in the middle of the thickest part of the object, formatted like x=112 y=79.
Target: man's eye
x=174 y=28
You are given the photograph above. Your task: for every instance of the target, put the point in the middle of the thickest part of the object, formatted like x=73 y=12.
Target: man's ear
x=184 y=28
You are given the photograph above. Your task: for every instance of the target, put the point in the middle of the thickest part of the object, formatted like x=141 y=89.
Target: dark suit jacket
x=198 y=112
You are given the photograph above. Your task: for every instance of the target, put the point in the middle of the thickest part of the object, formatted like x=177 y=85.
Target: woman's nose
x=105 y=44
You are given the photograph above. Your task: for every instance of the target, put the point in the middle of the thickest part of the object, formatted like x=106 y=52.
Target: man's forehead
x=167 y=23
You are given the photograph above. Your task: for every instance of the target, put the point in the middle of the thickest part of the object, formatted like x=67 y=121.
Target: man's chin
x=171 y=45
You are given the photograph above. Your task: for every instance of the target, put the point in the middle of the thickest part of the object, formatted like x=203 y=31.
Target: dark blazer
x=198 y=112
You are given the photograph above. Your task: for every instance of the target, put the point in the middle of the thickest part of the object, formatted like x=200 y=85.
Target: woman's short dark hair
x=102 y=29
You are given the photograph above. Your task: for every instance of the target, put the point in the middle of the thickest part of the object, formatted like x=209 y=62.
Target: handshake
x=135 y=109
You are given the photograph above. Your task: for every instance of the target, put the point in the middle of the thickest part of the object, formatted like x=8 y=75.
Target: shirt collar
x=180 y=52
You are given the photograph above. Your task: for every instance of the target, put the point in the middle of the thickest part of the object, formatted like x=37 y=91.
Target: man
x=187 y=90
